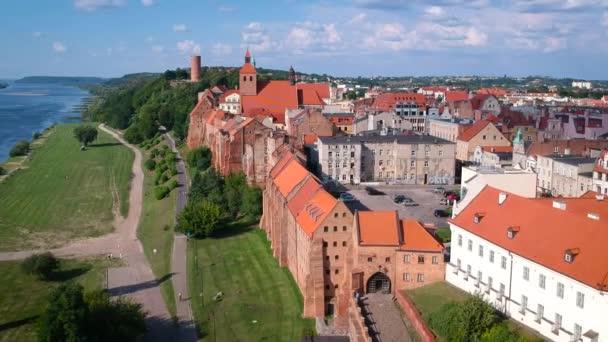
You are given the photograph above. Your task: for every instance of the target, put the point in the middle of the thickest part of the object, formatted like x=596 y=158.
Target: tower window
x=244 y=78
x=251 y=78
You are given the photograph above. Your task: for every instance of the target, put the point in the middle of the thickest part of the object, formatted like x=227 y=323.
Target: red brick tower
x=195 y=69
x=248 y=78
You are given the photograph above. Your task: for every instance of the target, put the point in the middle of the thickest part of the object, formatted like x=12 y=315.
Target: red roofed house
x=541 y=261
x=230 y=102
x=306 y=122
x=600 y=174
x=274 y=98
x=483 y=133
x=456 y=96
x=498 y=92
x=485 y=103
x=332 y=253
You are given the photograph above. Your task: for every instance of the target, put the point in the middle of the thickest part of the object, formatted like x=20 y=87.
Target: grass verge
x=24 y=296
x=260 y=299
x=61 y=193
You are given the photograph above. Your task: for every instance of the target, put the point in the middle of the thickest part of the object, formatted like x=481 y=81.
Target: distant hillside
x=130 y=78
x=3 y=85
x=75 y=81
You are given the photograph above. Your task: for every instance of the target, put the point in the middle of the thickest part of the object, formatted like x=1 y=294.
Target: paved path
x=385 y=318
x=136 y=279
x=179 y=264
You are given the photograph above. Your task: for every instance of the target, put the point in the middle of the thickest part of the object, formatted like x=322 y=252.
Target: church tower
x=292 y=76
x=248 y=78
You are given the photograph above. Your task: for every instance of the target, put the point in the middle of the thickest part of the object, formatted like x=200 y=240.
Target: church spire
x=247 y=56
x=292 y=76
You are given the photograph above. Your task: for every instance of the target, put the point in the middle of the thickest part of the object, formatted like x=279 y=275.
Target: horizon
x=439 y=38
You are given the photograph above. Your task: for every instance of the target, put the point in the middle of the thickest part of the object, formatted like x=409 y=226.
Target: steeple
x=247 y=56
x=518 y=137
x=292 y=76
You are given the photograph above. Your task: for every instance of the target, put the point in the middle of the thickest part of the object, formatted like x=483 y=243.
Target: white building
x=230 y=102
x=600 y=174
x=541 y=262
x=581 y=84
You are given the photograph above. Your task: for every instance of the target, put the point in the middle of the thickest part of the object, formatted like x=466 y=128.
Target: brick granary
x=334 y=253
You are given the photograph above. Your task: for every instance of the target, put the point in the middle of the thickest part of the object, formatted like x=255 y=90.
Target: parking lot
x=424 y=196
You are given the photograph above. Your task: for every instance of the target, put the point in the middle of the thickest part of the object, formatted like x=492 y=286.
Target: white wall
x=591 y=317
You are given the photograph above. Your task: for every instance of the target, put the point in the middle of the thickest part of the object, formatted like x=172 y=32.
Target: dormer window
x=570 y=254
x=511 y=232
x=477 y=217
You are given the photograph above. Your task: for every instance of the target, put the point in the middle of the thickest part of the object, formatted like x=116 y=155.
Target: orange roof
x=273 y=97
x=378 y=228
x=313 y=92
x=310 y=138
x=315 y=211
x=291 y=175
x=228 y=93
x=283 y=161
x=456 y=96
x=478 y=100
x=418 y=238
x=387 y=101
x=498 y=92
x=304 y=195
x=247 y=68
x=497 y=148
x=544 y=232
x=473 y=130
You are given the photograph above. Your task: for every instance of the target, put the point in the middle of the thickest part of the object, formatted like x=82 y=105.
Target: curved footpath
x=136 y=279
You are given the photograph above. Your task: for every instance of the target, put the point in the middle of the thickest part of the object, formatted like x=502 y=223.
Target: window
x=324 y=243
x=380 y=153
x=489 y=285
x=421 y=259
x=335 y=214
x=492 y=256
x=335 y=228
x=406 y=259
x=387 y=259
x=580 y=300
x=413 y=153
x=336 y=271
x=560 y=290
x=413 y=163
x=483 y=137
x=330 y=154
x=435 y=260
x=326 y=271
x=420 y=277
x=352 y=154
x=524 y=305
x=501 y=293
x=337 y=257
x=557 y=324
x=540 y=311
x=343 y=228
x=468 y=271
x=343 y=243
x=380 y=162
x=440 y=153
x=479 y=276
x=406 y=277
x=480 y=250
x=503 y=263
x=426 y=163
x=526 y=273
x=541 y=281
x=427 y=153
x=325 y=229
x=336 y=286
x=578 y=330
x=335 y=243
x=369 y=259
x=327 y=287
x=459 y=240
x=470 y=245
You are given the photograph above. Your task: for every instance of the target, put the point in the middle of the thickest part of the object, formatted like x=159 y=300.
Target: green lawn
x=261 y=300
x=23 y=296
x=62 y=193
x=430 y=298
x=156 y=232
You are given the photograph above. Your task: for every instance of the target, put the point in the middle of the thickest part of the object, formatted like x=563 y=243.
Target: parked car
x=409 y=203
x=439 y=190
x=441 y=213
x=346 y=197
x=373 y=191
x=399 y=199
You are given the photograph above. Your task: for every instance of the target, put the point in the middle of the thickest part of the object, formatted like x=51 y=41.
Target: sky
x=110 y=38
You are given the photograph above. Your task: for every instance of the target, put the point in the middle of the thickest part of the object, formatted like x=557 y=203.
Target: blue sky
x=562 y=38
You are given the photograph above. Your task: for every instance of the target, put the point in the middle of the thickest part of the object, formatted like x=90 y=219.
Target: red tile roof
x=456 y=96
x=315 y=211
x=313 y=93
x=378 y=228
x=310 y=138
x=478 y=100
x=416 y=237
x=305 y=193
x=228 y=93
x=280 y=165
x=545 y=233
x=576 y=147
x=473 y=130
x=498 y=92
x=387 y=101
x=273 y=97
x=247 y=68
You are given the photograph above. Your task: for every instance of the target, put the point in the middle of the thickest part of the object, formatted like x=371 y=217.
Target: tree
x=113 y=320
x=65 y=317
x=150 y=164
x=199 y=158
x=204 y=184
x=234 y=185
x=21 y=148
x=161 y=192
x=133 y=136
x=2 y=171
x=200 y=219
x=85 y=134
x=252 y=201
x=41 y=265
x=465 y=321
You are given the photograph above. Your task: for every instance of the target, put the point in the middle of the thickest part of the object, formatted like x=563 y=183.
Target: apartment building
x=448 y=129
x=542 y=262
x=396 y=159
x=567 y=176
x=600 y=174
x=483 y=133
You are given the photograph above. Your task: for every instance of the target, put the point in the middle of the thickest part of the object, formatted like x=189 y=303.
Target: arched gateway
x=379 y=282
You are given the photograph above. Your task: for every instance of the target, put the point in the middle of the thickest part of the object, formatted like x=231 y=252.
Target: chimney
x=195 y=69
x=594 y=216
x=502 y=197
x=559 y=205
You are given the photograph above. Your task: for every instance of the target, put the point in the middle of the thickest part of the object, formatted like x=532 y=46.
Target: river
x=27 y=108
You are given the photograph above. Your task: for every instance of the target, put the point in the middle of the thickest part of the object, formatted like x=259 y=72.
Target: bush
x=164 y=178
x=161 y=192
x=173 y=170
x=133 y=136
x=499 y=333
x=2 y=171
x=41 y=265
x=163 y=166
x=200 y=219
x=21 y=148
x=252 y=201
x=36 y=135
x=199 y=158
x=154 y=152
x=172 y=184
x=163 y=151
x=465 y=321
x=150 y=164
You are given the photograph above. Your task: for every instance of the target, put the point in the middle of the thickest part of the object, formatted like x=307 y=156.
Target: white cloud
x=434 y=11
x=180 y=28
x=91 y=5
x=148 y=3
x=158 y=48
x=358 y=19
x=59 y=47
x=37 y=34
x=255 y=37
x=553 y=44
x=474 y=37
x=189 y=47
x=254 y=26
x=221 y=49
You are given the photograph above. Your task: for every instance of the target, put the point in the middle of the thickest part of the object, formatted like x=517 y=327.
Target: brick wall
x=414 y=316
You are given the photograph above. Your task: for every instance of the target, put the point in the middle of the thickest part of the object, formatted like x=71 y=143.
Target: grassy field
x=261 y=300
x=23 y=296
x=62 y=193
x=156 y=232
x=430 y=298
